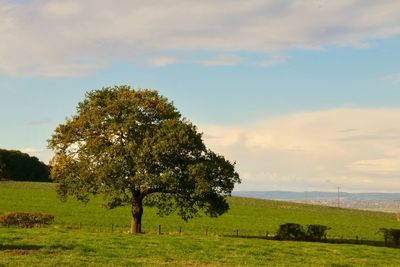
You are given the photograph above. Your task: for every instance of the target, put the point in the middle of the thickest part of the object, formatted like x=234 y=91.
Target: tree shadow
x=20 y=247
x=373 y=243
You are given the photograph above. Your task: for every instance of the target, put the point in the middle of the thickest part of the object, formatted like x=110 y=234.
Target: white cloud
x=356 y=149
x=222 y=60
x=58 y=70
x=274 y=60
x=387 y=165
x=395 y=78
x=58 y=9
x=60 y=35
x=162 y=61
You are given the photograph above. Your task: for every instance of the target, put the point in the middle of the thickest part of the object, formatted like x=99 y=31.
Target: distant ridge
x=389 y=202
x=309 y=195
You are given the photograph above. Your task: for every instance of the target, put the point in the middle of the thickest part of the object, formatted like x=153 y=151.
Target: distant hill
x=288 y=195
x=366 y=201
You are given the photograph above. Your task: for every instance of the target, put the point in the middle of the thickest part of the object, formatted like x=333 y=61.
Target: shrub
x=392 y=236
x=294 y=231
x=315 y=232
x=290 y=231
x=26 y=219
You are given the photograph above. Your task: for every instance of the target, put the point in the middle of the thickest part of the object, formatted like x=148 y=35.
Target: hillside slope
x=93 y=236
x=249 y=216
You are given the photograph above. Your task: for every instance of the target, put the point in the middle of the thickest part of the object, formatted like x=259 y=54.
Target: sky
x=302 y=95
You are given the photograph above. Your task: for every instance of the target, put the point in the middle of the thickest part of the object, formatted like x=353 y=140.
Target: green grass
x=65 y=244
x=54 y=247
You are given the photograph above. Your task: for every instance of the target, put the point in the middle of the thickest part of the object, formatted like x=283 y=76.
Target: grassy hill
x=94 y=243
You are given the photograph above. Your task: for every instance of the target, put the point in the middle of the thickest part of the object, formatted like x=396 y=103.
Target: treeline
x=18 y=166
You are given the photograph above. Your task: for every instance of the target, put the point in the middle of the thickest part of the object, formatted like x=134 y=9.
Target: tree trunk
x=137 y=212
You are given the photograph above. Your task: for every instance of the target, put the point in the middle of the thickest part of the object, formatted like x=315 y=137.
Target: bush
x=26 y=219
x=294 y=231
x=315 y=232
x=290 y=231
x=392 y=236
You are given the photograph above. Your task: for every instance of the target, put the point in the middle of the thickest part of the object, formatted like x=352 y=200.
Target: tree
x=2 y=169
x=133 y=146
x=18 y=166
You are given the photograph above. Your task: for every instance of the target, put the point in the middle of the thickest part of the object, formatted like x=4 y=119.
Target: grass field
x=65 y=243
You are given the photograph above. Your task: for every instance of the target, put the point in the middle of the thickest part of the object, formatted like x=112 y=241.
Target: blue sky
x=303 y=95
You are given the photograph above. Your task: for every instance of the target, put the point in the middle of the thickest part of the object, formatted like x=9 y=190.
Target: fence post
x=206 y=231
x=180 y=230
x=159 y=229
x=237 y=232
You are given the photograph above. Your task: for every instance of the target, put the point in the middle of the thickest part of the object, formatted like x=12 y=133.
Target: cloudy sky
x=302 y=94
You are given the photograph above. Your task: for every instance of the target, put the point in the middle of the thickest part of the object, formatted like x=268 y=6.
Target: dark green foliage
x=26 y=219
x=294 y=231
x=291 y=231
x=18 y=166
x=392 y=236
x=315 y=232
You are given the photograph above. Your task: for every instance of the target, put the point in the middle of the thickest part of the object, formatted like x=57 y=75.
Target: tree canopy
x=18 y=166
x=134 y=147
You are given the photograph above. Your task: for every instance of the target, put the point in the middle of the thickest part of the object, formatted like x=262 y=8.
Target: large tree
x=133 y=146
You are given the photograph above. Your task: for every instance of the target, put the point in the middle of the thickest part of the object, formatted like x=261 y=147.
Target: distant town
x=389 y=202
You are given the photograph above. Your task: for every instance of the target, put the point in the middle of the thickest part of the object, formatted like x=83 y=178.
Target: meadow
x=94 y=236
